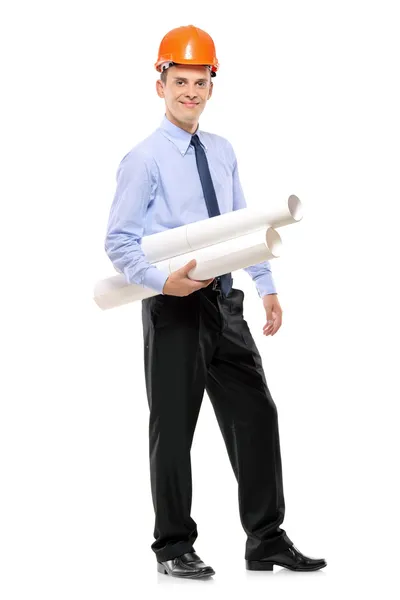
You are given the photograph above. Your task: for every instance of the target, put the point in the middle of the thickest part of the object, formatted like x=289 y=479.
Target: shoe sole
x=200 y=575
x=263 y=565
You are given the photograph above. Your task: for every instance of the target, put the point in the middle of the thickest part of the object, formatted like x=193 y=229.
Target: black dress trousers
x=191 y=344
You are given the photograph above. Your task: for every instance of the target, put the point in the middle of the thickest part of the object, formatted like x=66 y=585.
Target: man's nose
x=191 y=92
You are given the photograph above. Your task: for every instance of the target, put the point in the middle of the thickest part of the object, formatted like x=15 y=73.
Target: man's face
x=186 y=91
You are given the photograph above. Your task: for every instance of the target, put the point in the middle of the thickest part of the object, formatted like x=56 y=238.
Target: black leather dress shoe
x=187 y=566
x=290 y=558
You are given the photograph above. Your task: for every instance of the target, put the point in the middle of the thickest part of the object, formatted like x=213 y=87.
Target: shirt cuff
x=265 y=285
x=155 y=279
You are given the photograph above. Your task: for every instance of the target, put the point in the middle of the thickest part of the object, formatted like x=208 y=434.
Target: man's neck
x=189 y=127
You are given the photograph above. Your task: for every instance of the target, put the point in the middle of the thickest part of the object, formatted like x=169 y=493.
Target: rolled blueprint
x=217 y=259
x=213 y=230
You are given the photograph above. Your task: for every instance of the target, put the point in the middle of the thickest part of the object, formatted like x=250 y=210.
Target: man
x=195 y=337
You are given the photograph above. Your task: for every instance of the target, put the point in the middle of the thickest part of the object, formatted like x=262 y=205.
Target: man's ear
x=211 y=90
x=160 y=88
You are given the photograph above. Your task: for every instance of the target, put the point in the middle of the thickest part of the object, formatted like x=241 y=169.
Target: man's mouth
x=190 y=104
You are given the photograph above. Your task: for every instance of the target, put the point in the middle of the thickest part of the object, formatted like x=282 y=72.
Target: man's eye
x=202 y=83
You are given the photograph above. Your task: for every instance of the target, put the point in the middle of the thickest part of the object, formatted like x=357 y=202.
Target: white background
x=308 y=95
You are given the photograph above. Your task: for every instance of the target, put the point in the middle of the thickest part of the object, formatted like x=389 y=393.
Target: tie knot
x=195 y=140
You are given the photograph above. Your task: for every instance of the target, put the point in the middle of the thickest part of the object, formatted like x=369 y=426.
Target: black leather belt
x=216 y=284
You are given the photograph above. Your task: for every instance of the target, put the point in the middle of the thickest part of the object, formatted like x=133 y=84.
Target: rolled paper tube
x=240 y=222
x=231 y=255
x=225 y=257
x=213 y=230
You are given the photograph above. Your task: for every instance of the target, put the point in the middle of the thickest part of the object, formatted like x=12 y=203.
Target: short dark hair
x=163 y=76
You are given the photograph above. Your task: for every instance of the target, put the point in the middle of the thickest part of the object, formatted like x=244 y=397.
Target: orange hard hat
x=187 y=45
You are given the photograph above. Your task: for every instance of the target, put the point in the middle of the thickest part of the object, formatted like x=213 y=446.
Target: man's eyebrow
x=184 y=79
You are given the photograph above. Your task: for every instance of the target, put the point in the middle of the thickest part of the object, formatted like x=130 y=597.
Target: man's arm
x=261 y=272
x=126 y=222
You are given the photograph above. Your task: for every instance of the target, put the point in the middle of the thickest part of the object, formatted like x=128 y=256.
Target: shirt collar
x=178 y=136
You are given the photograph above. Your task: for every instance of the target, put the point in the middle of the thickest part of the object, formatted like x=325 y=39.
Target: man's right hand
x=179 y=284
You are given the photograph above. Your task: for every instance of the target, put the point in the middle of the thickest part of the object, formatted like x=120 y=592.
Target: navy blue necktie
x=210 y=198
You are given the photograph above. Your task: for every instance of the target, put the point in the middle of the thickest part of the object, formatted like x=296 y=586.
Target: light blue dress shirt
x=158 y=188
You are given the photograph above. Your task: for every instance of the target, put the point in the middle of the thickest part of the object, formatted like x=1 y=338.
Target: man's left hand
x=274 y=314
